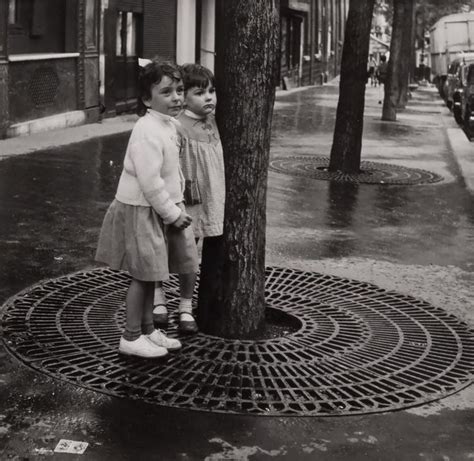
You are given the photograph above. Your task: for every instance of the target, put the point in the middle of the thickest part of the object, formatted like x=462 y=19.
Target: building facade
x=175 y=30
x=380 y=33
x=312 y=35
x=49 y=64
x=67 y=62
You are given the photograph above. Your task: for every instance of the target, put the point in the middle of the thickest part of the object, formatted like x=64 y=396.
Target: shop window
x=32 y=27
x=13 y=12
x=318 y=25
x=126 y=34
x=307 y=37
x=296 y=41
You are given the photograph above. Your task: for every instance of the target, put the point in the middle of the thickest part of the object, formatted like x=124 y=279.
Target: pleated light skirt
x=134 y=239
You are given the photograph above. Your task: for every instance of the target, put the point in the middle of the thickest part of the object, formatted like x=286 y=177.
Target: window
x=33 y=29
x=126 y=34
x=13 y=12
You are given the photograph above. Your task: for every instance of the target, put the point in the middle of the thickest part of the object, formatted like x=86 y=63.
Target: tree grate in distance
x=354 y=348
x=316 y=167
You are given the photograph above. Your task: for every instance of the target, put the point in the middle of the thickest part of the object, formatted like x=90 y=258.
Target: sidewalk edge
x=463 y=153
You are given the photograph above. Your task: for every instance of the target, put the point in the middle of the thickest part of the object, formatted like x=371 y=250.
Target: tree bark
x=347 y=140
x=392 y=85
x=231 y=292
x=412 y=77
x=406 y=53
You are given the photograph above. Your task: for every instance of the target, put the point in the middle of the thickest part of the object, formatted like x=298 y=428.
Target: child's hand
x=183 y=221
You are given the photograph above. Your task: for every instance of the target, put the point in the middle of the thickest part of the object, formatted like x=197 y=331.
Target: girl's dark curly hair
x=196 y=76
x=151 y=75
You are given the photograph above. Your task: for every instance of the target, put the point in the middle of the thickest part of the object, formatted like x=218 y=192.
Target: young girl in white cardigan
x=146 y=230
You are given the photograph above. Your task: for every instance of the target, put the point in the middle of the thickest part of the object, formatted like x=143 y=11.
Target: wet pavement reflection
x=425 y=224
x=401 y=224
x=52 y=204
x=51 y=208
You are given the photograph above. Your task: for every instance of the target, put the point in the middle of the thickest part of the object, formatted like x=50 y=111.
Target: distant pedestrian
x=202 y=163
x=146 y=230
x=382 y=69
x=371 y=70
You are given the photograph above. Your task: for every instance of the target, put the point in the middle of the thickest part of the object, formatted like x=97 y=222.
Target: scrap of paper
x=71 y=446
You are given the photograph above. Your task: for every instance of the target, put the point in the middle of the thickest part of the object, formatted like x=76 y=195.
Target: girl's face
x=167 y=97
x=201 y=101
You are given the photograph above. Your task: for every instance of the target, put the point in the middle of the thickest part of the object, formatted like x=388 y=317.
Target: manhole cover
x=371 y=172
x=353 y=348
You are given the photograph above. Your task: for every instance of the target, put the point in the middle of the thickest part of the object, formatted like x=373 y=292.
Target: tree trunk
x=407 y=47
x=231 y=292
x=392 y=85
x=347 y=140
x=412 y=78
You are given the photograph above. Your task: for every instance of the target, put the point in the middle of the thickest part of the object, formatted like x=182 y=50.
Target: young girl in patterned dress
x=146 y=230
x=201 y=160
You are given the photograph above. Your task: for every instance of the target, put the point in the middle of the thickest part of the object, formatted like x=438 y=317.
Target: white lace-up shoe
x=141 y=347
x=161 y=340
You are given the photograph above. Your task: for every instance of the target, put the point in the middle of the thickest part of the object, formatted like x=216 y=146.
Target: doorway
x=122 y=47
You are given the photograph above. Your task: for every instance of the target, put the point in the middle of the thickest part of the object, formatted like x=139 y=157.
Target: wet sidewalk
x=414 y=240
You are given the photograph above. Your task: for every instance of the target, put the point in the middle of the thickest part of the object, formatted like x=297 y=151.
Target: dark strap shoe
x=160 y=318
x=187 y=326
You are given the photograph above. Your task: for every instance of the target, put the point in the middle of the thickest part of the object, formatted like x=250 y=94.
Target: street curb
x=28 y=144
x=463 y=152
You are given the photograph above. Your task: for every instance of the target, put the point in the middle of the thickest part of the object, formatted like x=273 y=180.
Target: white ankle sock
x=160 y=309
x=185 y=309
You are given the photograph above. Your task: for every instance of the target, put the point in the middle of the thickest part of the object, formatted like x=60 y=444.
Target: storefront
x=295 y=39
x=312 y=34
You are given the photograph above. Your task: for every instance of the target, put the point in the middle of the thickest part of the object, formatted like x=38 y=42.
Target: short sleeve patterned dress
x=202 y=159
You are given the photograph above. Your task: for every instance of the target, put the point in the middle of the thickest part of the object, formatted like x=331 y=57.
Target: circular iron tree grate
x=316 y=167
x=352 y=348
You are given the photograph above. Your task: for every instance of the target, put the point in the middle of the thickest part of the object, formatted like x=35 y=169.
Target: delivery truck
x=451 y=38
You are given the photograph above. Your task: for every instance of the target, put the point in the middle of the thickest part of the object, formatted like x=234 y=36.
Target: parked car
x=464 y=100
x=453 y=79
x=458 y=94
x=449 y=83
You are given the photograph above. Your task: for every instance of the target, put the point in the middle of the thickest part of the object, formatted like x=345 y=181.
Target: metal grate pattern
x=43 y=87
x=316 y=167
x=354 y=348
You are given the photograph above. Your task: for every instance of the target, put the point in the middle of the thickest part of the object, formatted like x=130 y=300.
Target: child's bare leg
x=160 y=312
x=133 y=342
x=147 y=317
x=187 y=323
x=157 y=337
x=134 y=306
x=186 y=285
x=159 y=294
